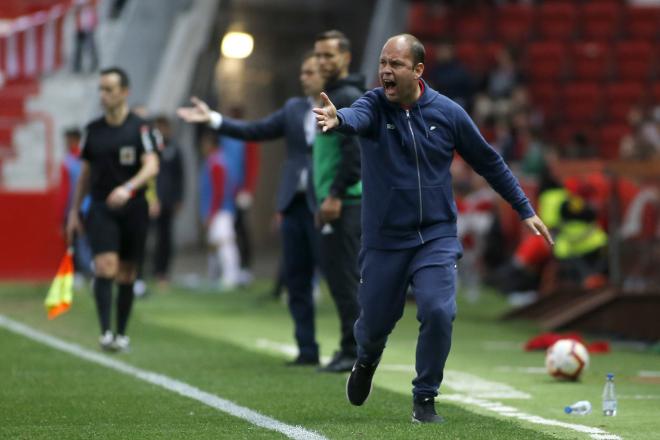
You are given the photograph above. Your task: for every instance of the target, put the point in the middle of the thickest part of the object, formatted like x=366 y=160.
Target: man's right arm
x=82 y=188
x=356 y=119
x=268 y=128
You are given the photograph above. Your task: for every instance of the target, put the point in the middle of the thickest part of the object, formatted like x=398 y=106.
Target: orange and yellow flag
x=60 y=294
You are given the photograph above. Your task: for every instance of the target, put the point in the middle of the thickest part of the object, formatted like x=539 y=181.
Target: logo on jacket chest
x=127 y=155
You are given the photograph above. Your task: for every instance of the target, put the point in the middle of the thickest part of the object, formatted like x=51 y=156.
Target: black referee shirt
x=114 y=153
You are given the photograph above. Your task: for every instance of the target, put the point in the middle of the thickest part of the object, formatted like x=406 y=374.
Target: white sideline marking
x=182 y=388
x=473 y=385
x=468 y=383
x=507 y=411
x=649 y=373
x=456 y=380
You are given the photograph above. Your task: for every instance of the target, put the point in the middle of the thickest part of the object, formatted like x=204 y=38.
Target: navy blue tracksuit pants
x=430 y=269
x=300 y=249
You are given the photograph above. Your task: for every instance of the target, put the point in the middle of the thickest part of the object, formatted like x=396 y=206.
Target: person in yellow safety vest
x=580 y=244
x=522 y=272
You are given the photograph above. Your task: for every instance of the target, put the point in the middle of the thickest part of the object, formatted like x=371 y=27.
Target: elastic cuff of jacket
x=525 y=212
x=340 y=119
x=215 y=120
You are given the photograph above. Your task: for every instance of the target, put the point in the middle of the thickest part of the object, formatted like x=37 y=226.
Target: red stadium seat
x=619 y=99
x=6 y=136
x=546 y=61
x=656 y=92
x=601 y=20
x=472 y=24
x=491 y=52
x=439 y=25
x=417 y=15
x=633 y=60
x=581 y=102
x=643 y=22
x=471 y=55
x=557 y=21
x=545 y=96
x=513 y=23
x=426 y=21
x=590 y=61
x=610 y=142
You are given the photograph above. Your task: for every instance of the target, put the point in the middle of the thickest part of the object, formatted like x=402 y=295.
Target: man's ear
x=419 y=70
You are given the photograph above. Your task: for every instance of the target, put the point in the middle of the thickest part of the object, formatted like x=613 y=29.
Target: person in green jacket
x=336 y=170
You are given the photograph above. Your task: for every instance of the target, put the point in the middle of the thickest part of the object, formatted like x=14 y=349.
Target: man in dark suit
x=295 y=200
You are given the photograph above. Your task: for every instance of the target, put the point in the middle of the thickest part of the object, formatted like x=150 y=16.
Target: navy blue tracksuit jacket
x=406 y=155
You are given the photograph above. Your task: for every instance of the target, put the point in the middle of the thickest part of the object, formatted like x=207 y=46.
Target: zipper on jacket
x=419 y=176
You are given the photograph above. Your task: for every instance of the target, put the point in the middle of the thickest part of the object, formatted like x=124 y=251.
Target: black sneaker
x=358 y=385
x=303 y=361
x=340 y=363
x=424 y=411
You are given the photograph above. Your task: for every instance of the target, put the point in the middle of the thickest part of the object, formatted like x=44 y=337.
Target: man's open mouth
x=389 y=85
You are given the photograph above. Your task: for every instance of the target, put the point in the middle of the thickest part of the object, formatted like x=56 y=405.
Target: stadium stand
x=603 y=53
x=591 y=68
x=30 y=46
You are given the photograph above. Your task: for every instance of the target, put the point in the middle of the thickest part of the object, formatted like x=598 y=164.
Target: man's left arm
x=471 y=145
x=149 y=169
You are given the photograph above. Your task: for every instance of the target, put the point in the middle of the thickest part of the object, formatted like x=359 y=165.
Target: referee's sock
x=124 y=306
x=103 y=296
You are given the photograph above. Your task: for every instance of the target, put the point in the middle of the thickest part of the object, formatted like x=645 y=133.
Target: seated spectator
x=580 y=147
x=505 y=77
x=580 y=245
x=522 y=273
x=644 y=141
x=448 y=75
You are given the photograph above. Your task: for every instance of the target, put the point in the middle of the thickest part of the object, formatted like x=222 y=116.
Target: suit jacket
x=287 y=122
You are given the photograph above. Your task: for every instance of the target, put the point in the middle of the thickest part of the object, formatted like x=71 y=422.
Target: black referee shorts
x=122 y=230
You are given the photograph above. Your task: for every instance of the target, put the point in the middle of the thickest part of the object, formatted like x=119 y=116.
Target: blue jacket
x=287 y=122
x=406 y=155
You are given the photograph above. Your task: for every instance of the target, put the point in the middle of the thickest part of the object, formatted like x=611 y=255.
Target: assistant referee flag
x=60 y=294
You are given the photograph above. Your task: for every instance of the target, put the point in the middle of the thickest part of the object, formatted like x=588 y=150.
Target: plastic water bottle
x=581 y=408
x=609 y=397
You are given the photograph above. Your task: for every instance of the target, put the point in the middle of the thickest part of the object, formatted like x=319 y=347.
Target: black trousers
x=243 y=238
x=299 y=242
x=163 y=251
x=339 y=248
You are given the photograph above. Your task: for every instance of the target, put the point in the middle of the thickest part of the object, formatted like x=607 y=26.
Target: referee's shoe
x=359 y=383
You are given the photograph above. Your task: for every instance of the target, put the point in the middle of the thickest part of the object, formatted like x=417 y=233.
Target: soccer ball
x=566 y=359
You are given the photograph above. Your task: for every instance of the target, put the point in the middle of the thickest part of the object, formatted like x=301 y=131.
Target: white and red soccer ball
x=566 y=359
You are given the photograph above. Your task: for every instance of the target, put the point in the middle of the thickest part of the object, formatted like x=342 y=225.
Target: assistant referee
x=118 y=158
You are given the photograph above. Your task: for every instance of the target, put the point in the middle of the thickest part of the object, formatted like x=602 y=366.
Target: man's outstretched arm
x=270 y=127
x=356 y=119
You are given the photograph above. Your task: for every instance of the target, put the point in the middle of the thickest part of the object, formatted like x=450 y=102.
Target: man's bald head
x=401 y=66
x=415 y=47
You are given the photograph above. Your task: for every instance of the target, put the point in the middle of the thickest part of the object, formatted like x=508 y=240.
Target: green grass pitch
x=231 y=344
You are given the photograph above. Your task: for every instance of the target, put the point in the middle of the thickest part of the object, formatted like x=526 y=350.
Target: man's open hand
x=199 y=113
x=326 y=116
x=536 y=225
